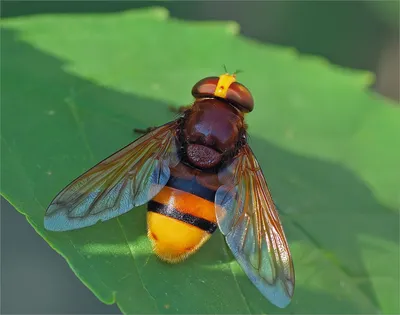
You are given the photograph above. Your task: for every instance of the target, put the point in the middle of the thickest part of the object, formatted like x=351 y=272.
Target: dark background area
x=356 y=34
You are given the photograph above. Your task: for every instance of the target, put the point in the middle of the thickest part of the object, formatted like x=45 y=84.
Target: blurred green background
x=358 y=34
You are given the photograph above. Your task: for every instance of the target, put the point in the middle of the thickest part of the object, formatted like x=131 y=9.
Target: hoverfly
x=197 y=173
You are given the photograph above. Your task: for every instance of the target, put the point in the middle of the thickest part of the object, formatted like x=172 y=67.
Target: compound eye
x=240 y=96
x=205 y=87
x=225 y=87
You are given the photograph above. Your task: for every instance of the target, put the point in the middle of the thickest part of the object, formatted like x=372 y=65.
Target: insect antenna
x=237 y=71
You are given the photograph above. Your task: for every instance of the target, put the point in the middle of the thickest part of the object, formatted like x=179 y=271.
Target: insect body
x=196 y=173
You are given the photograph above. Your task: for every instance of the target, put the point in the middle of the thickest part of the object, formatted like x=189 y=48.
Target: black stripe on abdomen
x=191 y=187
x=171 y=212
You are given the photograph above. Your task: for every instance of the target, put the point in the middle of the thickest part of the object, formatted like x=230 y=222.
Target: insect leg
x=178 y=110
x=143 y=131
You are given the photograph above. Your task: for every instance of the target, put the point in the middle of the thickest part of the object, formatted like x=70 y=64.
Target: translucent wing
x=248 y=218
x=126 y=179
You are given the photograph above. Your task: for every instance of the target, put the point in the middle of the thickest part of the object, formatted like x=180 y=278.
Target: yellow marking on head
x=224 y=82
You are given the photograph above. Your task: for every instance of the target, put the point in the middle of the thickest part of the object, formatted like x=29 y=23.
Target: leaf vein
x=134 y=263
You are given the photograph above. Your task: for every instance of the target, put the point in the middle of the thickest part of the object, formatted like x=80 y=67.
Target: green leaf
x=386 y=11
x=74 y=87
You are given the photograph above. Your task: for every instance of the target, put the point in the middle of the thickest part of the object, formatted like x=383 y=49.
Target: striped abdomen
x=180 y=218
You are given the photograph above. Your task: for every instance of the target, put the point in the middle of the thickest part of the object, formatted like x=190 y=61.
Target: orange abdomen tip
x=173 y=240
x=179 y=223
